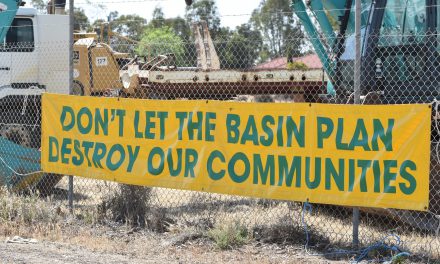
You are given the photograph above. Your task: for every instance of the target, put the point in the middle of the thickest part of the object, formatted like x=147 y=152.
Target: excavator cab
x=400 y=46
x=402 y=51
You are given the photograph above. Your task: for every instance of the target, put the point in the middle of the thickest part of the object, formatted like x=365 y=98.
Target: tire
x=47 y=184
x=77 y=88
x=25 y=130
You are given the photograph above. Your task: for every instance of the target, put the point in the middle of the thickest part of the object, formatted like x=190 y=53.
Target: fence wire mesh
x=400 y=65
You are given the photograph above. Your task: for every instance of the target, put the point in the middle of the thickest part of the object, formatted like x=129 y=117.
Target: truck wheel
x=21 y=129
x=77 y=88
x=47 y=184
x=25 y=130
x=17 y=134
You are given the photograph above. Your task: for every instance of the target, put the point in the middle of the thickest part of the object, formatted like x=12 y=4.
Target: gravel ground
x=148 y=248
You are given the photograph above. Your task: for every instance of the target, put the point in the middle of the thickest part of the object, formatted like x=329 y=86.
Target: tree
x=160 y=41
x=158 y=18
x=242 y=49
x=282 y=34
x=204 y=10
x=131 y=26
x=81 y=20
x=180 y=27
x=40 y=5
x=112 y=16
x=178 y=24
x=96 y=27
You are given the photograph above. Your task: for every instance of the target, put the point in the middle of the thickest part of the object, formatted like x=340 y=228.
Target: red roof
x=312 y=61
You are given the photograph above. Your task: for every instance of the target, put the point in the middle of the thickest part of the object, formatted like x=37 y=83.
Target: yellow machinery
x=77 y=36
x=96 y=68
x=96 y=64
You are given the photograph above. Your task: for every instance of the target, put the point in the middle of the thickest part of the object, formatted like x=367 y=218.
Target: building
x=311 y=61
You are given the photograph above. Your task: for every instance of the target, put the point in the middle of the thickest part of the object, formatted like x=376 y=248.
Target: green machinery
x=400 y=63
x=400 y=46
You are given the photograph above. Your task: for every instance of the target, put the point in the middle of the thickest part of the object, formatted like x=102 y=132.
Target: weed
x=28 y=214
x=129 y=204
x=400 y=259
x=229 y=235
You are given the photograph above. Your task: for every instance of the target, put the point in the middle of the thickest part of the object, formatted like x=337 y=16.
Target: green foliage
x=242 y=48
x=399 y=259
x=82 y=22
x=229 y=235
x=297 y=65
x=159 y=41
x=178 y=24
x=180 y=27
x=204 y=10
x=282 y=33
x=128 y=204
x=26 y=209
x=158 y=20
x=131 y=26
x=40 y=5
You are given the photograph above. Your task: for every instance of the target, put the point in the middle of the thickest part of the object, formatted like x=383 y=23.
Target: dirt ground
x=180 y=234
x=148 y=248
x=51 y=252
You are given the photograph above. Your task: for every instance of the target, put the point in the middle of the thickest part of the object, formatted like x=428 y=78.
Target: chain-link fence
x=400 y=64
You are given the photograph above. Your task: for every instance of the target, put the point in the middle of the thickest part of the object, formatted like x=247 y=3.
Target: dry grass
x=128 y=204
x=182 y=211
x=30 y=215
x=229 y=235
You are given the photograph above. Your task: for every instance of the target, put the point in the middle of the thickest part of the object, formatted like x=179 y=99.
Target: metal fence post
x=71 y=27
x=357 y=95
x=70 y=194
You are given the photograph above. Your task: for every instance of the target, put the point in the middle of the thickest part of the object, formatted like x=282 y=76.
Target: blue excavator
x=400 y=45
x=400 y=63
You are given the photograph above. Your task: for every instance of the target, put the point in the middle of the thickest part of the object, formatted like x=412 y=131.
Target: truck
x=34 y=58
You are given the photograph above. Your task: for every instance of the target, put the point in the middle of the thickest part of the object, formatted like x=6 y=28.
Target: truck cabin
x=20 y=36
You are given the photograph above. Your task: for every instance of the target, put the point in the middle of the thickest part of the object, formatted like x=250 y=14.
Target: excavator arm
x=8 y=9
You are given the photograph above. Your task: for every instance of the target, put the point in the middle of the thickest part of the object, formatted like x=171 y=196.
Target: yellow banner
x=372 y=156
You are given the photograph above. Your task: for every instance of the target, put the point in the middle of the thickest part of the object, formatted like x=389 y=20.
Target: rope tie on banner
x=383 y=245
x=362 y=254
x=307 y=208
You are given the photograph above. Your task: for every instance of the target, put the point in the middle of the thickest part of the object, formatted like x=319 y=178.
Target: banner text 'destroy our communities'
x=374 y=156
